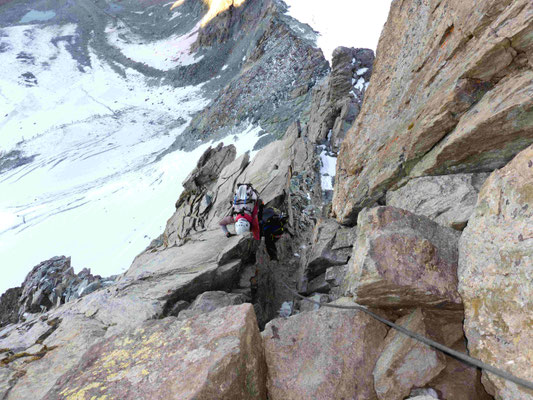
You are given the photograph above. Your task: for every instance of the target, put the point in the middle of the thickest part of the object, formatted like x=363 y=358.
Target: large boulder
x=214 y=355
x=447 y=199
x=403 y=260
x=495 y=275
x=450 y=92
x=323 y=354
x=406 y=363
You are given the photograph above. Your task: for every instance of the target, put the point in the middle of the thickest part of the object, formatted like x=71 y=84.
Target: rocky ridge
x=412 y=261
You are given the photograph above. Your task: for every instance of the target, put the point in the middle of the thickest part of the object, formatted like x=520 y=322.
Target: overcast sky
x=350 y=23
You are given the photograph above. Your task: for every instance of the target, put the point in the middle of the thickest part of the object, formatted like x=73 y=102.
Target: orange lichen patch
x=215 y=7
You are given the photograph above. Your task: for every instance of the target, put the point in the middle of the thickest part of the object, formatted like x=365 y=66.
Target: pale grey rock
x=448 y=199
x=308 y=306
x=406 y=363
x=335 y=275
x=496 y=275
x=403 y=260
x=209 y=166
x=330 y=247
x=67 y=344
x=335 y=101
x=19 y=337
x=210 y=301
x=7 y=378
x=319 y=284
x=423 y=394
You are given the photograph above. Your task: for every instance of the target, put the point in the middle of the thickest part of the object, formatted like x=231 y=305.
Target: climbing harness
x=456 y=354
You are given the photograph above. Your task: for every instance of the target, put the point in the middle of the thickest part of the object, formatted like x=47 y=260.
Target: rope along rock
x=456 y=354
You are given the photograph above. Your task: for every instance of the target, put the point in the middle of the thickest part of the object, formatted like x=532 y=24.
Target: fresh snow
x=93 y=191
x=328 y=165
x=361 y=71
x=360 y=85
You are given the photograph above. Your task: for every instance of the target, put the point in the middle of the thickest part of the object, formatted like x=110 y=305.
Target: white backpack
x=245 y=199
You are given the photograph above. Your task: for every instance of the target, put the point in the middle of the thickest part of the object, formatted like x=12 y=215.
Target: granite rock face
x=403 y=260
x=495 y=275
x=447 y=199
x=450 y=93
x=214 y=355
x=406 y=363
x=322 y=354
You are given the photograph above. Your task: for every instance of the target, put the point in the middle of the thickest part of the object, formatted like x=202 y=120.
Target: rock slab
x=213 y=356
x=496 y=275
x=448 y=199
x=406 y=363
x=322 y=354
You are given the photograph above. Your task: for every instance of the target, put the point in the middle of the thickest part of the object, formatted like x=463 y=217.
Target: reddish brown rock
x=459 y=381
x=322 y=354
x=450 y=92
x=406 y=363
x=212 y=356
x=403 y=260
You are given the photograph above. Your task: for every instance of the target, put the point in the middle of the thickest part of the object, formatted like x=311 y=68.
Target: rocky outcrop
x=49 y=284
x=9 y=306
x=448 y=199
x=322 y=355
x=406 y=363
x=403 y=260
x=450 y=93
x=215 y=355
x=196 y=200
x=338 y=98
x=263 y=45
x=495 y=259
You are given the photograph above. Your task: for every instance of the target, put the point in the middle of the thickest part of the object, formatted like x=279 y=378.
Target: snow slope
x=93 y=190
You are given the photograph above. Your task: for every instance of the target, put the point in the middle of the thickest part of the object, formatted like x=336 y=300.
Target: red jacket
x=253 y=220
